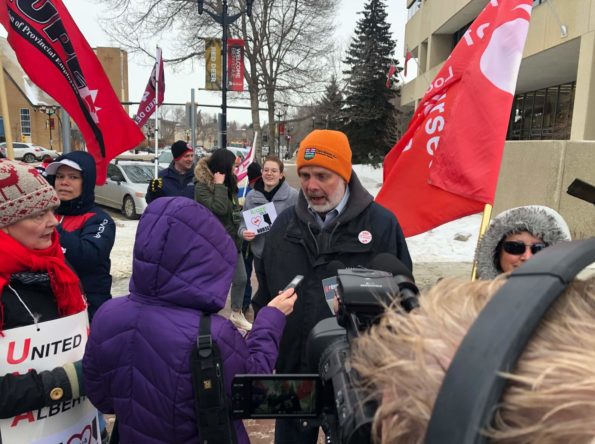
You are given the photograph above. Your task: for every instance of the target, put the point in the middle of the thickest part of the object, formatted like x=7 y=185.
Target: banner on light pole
x=213 y=64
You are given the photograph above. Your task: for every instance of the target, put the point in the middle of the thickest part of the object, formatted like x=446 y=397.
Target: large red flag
x=148 y=104
x=58 y=59
x=446 y=165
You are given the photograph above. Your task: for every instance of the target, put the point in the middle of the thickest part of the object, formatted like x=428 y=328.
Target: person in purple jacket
x=137 y=360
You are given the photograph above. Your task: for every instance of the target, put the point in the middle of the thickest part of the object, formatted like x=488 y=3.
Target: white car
x=27 y=152
x=126 y=186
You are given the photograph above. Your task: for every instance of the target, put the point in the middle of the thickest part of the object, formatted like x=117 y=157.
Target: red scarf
x=16 y=258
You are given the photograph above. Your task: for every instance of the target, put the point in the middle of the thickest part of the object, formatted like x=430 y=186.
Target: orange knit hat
x=327 y=149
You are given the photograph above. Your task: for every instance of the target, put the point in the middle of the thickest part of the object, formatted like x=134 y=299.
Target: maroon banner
x=148 y=104
x=58 y=59
x=446 y=165
x=235 y=64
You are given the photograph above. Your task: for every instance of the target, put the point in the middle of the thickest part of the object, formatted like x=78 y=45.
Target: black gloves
x=156 y=186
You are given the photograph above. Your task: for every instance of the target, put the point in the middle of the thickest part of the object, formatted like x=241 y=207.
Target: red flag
x=58 y=59
x=148 y=104
x=446 y=165
x=235 y=64
x=408 y=56
x=391 y=72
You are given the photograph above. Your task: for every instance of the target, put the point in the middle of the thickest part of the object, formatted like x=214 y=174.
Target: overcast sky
x=178 y=84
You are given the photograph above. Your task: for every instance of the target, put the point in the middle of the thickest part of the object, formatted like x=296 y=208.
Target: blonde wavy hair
x=550 y=397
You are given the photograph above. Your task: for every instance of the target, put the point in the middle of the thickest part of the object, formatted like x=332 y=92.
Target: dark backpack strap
x=210 y=401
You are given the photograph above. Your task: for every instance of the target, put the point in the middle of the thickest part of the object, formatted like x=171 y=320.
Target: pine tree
x=328 y=112
x=369 y=114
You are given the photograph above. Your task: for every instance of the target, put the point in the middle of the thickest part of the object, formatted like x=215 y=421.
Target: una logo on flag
x=309 y=153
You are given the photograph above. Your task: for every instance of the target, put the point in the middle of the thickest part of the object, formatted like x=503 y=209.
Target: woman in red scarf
x=36 y=284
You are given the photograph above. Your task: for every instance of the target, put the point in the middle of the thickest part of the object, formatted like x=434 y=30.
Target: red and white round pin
x=365 y=237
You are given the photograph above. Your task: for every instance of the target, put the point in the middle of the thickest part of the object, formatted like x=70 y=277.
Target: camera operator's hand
x=218 y=178
x=248 y=235
x=284 y=301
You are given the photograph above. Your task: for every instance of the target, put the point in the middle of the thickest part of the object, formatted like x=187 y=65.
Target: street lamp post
x=50 y=111
x=281 y=112
x=224 y=20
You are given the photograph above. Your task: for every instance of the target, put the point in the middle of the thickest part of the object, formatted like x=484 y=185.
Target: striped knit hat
x=23 y=192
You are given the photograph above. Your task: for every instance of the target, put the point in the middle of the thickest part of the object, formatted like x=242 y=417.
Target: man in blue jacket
x=87 y=232
x=176 y=179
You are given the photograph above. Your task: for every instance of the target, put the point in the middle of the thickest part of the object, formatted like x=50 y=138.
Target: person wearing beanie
x=254 y=174
x=515 y=235
x=216 y=188
x=87 y=232
x=334 y=219
x=36 y=286
x=177 y=178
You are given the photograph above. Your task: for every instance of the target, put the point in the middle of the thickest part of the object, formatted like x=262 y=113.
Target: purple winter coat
x=137 y=360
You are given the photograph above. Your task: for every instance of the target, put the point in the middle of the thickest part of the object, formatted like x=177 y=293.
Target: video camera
x=330 y=396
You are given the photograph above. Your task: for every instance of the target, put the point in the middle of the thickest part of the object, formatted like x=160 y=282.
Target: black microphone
x=409 y=292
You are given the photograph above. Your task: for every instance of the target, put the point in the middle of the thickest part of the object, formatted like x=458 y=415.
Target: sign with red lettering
x=44 y=347
x=446 y=165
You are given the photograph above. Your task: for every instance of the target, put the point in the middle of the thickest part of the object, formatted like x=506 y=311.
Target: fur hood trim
x=542 y=222
x=203 y=175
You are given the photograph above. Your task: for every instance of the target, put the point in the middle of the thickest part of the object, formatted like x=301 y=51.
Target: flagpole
x=245 y=190
x=4 y=107
x=485 y=222
x=157 y=73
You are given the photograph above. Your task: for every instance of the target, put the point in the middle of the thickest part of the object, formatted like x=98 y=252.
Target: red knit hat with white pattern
x=23 y=192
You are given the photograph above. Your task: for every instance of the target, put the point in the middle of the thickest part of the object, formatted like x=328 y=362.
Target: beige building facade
x=551 y=134
x=33 y=115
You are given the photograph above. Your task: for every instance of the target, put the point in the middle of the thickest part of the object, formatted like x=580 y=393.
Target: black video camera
x=330 y=396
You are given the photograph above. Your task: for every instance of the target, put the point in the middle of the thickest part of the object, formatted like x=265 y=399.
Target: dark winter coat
x=285 y=197
x=296 y=245
x=137 y=362
x=87 y=235
x=174 y=184
x=216 y=198
x=542 y=222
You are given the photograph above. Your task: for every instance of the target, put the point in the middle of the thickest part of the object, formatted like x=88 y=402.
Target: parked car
x=241 y=152
x=27 y=152
x=165 y=158
x=126 y=187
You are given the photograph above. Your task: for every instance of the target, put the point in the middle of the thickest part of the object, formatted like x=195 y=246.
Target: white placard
x=260 y=219
x=44 y=347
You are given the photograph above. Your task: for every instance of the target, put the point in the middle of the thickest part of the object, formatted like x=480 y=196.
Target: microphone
x=409 y=292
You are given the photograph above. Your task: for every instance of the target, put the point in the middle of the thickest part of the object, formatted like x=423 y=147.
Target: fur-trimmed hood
x=542 y=222
x=202 y=174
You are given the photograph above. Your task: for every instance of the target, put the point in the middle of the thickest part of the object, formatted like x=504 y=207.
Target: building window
x=543 y=114
x=25 y=122
x=459 y=33
x=413 y=8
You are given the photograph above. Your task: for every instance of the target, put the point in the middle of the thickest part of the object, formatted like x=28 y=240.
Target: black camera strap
x=473 y=384
x=210 y=401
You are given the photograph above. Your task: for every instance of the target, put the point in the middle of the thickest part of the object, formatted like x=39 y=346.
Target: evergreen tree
x=328 y=112
x=369 y=114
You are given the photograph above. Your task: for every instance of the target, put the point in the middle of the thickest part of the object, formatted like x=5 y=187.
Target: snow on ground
x=437 y=245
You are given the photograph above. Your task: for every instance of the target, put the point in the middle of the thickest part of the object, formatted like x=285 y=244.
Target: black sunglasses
x=518 y=248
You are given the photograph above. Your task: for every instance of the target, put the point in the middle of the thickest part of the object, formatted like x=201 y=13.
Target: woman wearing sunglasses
x=515 y=236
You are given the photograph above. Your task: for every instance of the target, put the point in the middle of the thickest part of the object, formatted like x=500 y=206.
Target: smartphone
x=276 y=396
x=295 y=282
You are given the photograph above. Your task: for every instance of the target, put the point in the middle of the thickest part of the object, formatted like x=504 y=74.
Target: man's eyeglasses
x=518 y=248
